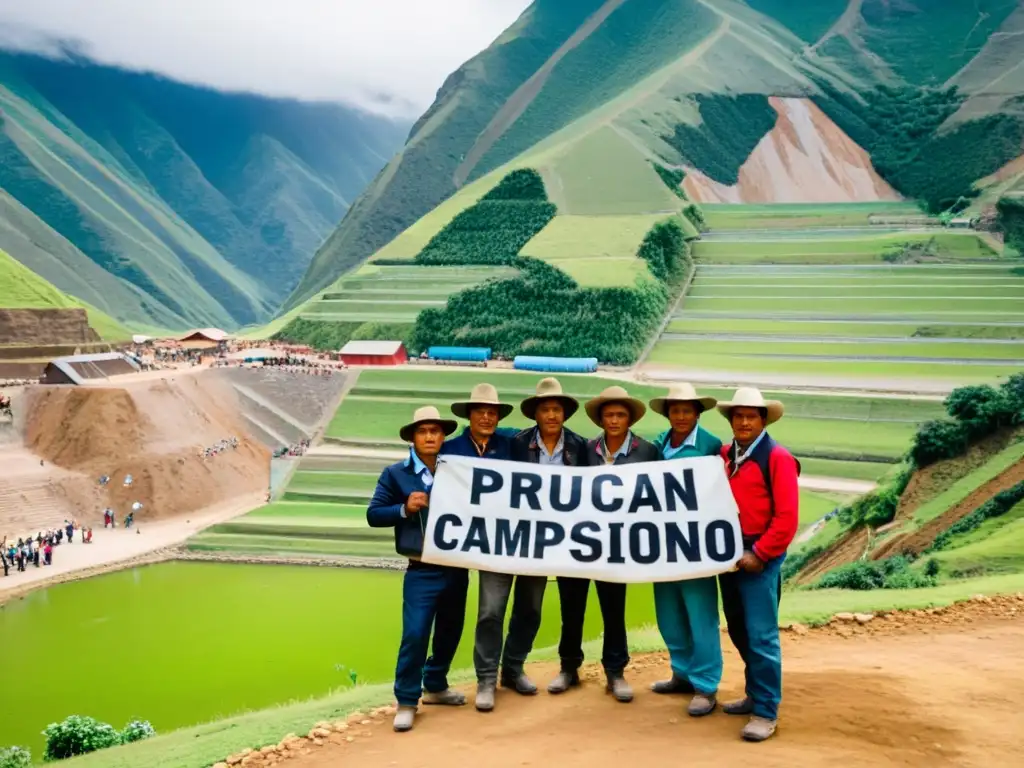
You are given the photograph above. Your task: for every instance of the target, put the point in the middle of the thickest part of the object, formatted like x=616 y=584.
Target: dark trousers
x=433 y=597
x=495 y=590
x=572 y=593
x=750 y=602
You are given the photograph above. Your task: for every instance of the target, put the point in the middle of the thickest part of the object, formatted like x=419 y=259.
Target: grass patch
x=865 y=249
x=21 y=288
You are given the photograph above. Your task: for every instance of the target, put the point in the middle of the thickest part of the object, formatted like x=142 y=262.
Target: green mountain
x=599 y=96
x=170 y=205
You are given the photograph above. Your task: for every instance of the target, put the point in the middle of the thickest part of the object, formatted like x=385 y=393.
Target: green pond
x=184 y=643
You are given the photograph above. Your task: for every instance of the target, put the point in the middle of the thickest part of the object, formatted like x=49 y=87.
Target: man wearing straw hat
x=432 y=595
x=616 y=413
x=763 y=476
x=687 y=610
x=483 y=438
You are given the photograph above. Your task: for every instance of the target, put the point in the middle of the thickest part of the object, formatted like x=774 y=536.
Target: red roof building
x=373 y=353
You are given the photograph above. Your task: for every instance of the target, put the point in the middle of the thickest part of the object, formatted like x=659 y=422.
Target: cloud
x=388 y=56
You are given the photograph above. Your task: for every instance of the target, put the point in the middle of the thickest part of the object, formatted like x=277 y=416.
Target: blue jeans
x=433 y=596
x=688 y=619
x=750 y=602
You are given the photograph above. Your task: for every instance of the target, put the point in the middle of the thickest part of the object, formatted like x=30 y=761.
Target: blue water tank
x=462 y=354
x=556 y=364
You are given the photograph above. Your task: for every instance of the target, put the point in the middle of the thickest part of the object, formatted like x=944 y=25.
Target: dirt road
x=112 y=548
x=946 y=694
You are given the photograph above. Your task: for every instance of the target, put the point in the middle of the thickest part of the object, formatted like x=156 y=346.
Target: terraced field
x=380 y=293
x=322 y=509
x=859 y=245
x=958 y=322
x=725 y=217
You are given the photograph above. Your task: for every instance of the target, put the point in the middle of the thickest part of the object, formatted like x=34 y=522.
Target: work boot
x=620 y=689
x=742 y=706
x=485 y=697
x=519 y=683
x=564 y=681
x=447 y=697
x=674 y=684
x=759 y=728
x=702 y=704
x=404 y=718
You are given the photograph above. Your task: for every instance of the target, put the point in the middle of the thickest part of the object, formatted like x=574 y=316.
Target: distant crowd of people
x=295 y=449
x=219 y=447
x=38 y=550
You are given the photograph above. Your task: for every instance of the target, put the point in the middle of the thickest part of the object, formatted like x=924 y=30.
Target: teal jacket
x=707 y=444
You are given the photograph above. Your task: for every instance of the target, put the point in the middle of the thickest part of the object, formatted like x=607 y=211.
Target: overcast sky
x=389 y=56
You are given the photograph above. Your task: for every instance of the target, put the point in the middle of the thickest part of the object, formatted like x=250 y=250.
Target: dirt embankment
x=849 y=548
x=805 y=158
x=45 y=326
x=156 y=431
x=916 y=542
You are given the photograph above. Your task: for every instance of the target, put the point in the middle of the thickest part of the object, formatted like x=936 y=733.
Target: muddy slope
x=806 y=158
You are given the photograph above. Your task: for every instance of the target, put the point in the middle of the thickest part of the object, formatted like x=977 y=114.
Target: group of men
x=763 y=478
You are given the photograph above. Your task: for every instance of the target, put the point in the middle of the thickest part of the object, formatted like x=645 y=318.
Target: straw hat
x=549 y=389
x=482 y=394
x=682 y=392
x=427 y=414
x=750 y=397
x=615 y=395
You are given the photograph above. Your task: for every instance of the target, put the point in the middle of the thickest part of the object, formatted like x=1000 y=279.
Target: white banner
x=658 y=521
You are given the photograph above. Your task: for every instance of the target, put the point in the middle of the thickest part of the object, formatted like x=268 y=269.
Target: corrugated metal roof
x=371 y=348
x=93 y=358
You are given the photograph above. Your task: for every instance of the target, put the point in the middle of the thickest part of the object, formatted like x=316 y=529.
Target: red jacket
x=771 y=530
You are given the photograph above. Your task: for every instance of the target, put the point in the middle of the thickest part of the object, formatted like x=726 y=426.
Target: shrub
x=524 y=184
x=325 y=335
x=15 y=757
x=382 y=332
x=932 y=568
x=937 y=440
x=891 y=573
x=137 y=730
x=672 y=177
x=1010 y=218
x=696 y=217
x=981 y=409
x=78 y=735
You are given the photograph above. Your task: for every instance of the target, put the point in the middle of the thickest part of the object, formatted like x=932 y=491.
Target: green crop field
x=698 y=324
x=604 y=160
x=855 y=322
x=571 y=237
x=722 y=217
x=839 y=348
x=395 y=293
x=682 y=356
x=289 y=509
x=370 y=420
x=838 y=250
x=851 y=470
